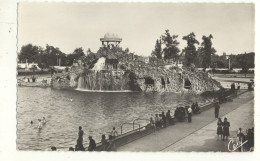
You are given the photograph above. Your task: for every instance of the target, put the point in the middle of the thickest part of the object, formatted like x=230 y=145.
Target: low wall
x=141 y=132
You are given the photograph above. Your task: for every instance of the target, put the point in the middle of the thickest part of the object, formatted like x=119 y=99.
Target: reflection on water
x=96 y=112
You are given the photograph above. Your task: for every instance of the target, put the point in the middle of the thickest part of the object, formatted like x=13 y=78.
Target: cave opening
x=163 y=82
x=148 y=81
x=187 y=83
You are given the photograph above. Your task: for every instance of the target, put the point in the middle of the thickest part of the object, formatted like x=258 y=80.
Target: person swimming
x=40 y=124
x=31 y=122
x=71 y=99
x=43 y=120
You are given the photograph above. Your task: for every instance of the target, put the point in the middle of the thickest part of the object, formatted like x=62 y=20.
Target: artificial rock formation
x=122 y=71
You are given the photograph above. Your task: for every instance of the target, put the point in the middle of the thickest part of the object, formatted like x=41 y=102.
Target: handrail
x=139 y=124
x=128 y=123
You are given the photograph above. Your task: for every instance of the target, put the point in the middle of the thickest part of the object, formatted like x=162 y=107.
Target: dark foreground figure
x=79 y=146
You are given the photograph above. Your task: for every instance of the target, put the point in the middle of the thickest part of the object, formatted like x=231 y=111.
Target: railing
x=128 y=123
x=139 y=120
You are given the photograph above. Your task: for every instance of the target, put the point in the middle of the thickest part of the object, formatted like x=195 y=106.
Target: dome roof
x=111 y=37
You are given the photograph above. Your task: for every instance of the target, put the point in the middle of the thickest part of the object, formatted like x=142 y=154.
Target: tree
x=171 y=49
x=157 y=52
x=190 y=50
x=29 y=52
x=242 y=62
x=206 y=50
x=51 y=56
x=79 y=52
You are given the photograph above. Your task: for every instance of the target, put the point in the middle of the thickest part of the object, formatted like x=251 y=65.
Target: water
x=96 y=112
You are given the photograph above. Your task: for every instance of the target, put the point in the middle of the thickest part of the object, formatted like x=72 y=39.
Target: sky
x=72 y=25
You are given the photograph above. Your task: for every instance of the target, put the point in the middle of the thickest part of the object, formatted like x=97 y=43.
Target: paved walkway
x=200 y=135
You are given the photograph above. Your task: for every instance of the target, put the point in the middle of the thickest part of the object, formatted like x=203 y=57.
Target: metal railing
x=138 y=119
x=128 y=123
x=133 y=124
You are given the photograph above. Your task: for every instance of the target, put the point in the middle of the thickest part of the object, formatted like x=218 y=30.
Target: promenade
x=200 y=135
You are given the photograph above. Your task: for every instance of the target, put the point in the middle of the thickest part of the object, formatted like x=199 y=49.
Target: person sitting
x=151 y=124
x=71 y=149
x=111 y=144
x=104 y=143
x=92 y=144
x=196 y=108
x=53 y=148
x=114 y=133
x=157 y=121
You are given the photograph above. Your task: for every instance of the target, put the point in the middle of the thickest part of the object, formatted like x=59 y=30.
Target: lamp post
x=57 y=59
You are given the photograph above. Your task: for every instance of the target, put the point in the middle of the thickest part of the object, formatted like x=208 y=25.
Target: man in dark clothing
x=164 y=119
x=79 y=146
x=92 y=144
x=193 y=107
x=217 y=107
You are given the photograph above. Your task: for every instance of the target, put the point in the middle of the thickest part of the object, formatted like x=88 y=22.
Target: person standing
x=163 y=119
x=226 y=126
x=79 y=146
x=168 y=117
x=189 y=114
x=217 y=107
x=152 y=124
x=220 y=129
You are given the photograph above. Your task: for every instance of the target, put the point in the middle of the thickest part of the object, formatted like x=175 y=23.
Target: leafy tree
x=206 y=50
x=171 y=49
x=29 y=52
x=157 y=52
x=51 y=55
x=77 y=53
x=190 y=50
x=242 y=61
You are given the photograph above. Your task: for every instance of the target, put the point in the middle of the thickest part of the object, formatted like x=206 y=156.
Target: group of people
x=223 y=129
x=195 y=108
x=162 y=120
x=248 y=139
x=107 y=145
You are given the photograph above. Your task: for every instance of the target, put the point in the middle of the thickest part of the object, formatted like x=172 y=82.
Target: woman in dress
x=226 y=126
x=220 y=129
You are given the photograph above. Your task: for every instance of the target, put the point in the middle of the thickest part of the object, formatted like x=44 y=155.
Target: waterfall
x=103 y=80
x=100 y=64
